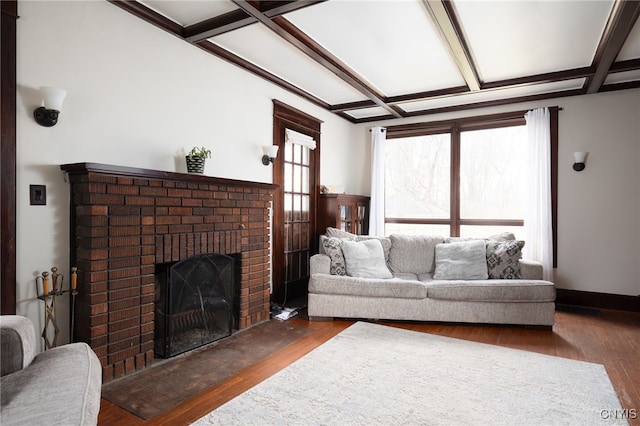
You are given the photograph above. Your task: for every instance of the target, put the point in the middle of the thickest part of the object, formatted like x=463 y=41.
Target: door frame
x=285 y=116
x=8 y=27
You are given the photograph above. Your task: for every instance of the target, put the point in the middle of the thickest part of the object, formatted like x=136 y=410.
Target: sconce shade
x=579 y=159
x=53 y=97
x=270 y=150
x=47 y=115
x=270 y=154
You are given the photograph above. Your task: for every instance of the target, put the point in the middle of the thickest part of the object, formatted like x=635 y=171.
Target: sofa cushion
x=413 y=253
x=367 y=287
x=365 y=259
x=406 y=276
x=503 y=259
x=465 y=260
x=492 y=290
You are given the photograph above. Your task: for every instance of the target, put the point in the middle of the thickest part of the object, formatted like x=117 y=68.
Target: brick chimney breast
x=125 y=221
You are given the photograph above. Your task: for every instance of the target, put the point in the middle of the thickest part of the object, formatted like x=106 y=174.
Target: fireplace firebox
x=193 y=303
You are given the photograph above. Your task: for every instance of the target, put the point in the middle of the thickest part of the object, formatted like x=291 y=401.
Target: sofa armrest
x=320 y=264
x=17 y=343
x=531 y=269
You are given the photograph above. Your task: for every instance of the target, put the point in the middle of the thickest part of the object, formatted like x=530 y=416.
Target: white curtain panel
x=376 y=213
x=537 y=221
x=291 y=136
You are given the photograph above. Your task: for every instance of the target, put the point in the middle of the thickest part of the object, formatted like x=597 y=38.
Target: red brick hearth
x=125 y=221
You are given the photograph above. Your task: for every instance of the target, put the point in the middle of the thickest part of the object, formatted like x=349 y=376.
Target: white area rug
x=378 y=375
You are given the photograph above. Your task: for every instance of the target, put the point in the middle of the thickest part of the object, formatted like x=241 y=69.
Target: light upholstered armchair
x=60 y=386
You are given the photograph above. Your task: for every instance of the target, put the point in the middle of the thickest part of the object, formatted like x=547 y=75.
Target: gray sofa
x=60 y=386
x=430 y=278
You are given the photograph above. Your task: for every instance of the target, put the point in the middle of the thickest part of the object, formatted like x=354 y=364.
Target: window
x=418 y=185
x=491 y=185
x=460 y=178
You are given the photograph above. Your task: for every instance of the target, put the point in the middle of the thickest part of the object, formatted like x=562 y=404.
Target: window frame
x=454 y=127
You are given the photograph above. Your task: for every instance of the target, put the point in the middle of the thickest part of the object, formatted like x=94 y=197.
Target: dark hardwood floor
x=611 y=338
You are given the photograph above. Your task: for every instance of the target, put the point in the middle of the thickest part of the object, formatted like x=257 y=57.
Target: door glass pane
x=492 y=164
x=417 y=180
x=297 y=153
x=305 y=177
x=297 y=209
x=288 y=152
x=288 y=177
x=305 y=208
x=304 y=236
x=288 y=237
x=288 y=207
x=296 y=236
x=297 y=178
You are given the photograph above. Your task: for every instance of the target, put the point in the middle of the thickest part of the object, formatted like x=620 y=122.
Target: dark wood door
x=294 y=214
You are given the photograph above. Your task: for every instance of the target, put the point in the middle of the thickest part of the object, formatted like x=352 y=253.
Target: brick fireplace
x=125 y=221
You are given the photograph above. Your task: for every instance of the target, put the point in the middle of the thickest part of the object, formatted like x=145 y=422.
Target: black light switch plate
x=38 y=195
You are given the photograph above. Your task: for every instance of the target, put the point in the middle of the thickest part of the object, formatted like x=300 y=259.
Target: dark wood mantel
x=81 y=168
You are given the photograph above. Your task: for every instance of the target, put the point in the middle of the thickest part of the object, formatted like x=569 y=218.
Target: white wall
x=138 y=97
x=598 y=208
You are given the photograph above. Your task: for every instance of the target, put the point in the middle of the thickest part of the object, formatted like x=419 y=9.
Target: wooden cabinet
x=347 y=212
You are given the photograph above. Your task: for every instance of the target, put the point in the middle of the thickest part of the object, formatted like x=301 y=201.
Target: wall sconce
x=47 y=115
x=270 y=154
x=579 y=158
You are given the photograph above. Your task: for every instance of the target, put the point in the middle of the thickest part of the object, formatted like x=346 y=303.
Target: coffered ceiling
x=368 y=60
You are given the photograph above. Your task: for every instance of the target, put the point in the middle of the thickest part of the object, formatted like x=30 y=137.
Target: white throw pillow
x=365 y=259
x=461 y=261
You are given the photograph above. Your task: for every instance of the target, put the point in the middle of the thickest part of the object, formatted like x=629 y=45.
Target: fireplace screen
x=193 y=303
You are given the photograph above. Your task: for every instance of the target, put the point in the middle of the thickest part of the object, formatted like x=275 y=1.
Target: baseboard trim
x=598 y=300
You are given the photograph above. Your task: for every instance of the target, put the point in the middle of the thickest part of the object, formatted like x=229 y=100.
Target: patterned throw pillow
x=333 y=248
x=503 y=259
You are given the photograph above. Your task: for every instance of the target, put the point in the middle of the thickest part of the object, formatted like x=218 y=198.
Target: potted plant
x=195 y=159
